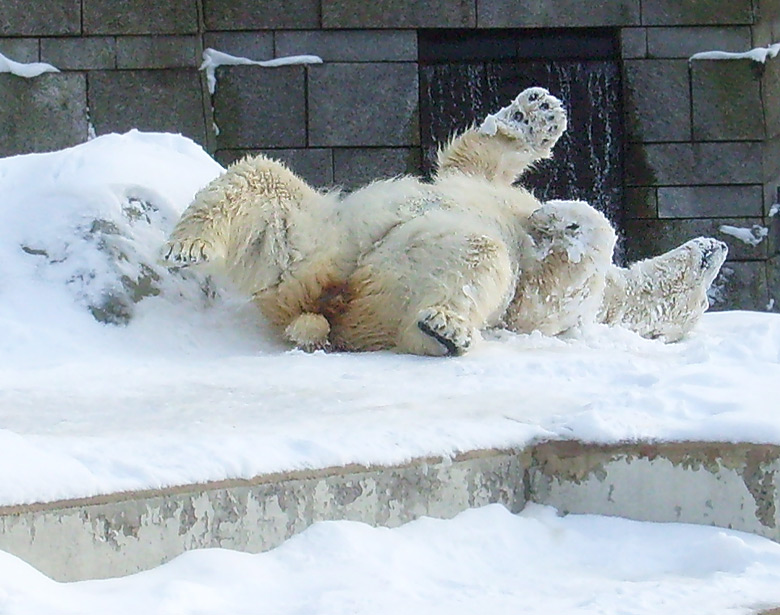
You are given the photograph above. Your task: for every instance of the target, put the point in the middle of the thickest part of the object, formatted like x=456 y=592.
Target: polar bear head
x=561 y=280
x=571 y=231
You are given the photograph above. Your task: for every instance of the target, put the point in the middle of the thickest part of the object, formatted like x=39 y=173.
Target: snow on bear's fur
x=562 y=281
x=407 y=265
x=664 y=297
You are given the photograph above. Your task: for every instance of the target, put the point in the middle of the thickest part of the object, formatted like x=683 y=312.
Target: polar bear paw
x=535 y=117
x=182 y=252
x=309 y=332
x=447 y=328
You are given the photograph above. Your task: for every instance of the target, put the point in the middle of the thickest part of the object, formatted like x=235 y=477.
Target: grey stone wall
x=703 y=137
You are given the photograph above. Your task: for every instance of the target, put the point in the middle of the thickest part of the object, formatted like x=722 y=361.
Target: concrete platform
x=722 y=484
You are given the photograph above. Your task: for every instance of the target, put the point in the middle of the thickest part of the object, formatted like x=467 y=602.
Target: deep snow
x=194 y=387
x=483 y=561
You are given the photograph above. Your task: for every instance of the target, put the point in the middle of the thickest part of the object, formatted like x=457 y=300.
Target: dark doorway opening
x=466 y=74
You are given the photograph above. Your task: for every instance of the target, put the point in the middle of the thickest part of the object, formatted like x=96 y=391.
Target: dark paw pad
x=452 y=349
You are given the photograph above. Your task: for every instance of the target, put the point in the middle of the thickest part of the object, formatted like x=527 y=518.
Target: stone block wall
x=702 y=151
x=126 y=64
x=703 y=136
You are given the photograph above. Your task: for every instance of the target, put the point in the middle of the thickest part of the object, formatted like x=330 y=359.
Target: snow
x=485 y=560
x=751 y=236
x=189 y=386
x=759 y=54
x=27 y=70
x=489 y=125
x=213 y=59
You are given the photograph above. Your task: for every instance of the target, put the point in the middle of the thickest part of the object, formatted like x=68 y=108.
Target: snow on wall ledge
x=759 y=54
x=213 y=59
x=26 y=70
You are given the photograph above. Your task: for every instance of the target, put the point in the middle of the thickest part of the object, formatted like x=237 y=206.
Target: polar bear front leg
x=507 y=142
x=535 y=119
x=665 y=296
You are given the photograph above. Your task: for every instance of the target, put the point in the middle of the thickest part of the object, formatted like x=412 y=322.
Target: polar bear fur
x=664 y=297
x=416 y=267
x=562 y=282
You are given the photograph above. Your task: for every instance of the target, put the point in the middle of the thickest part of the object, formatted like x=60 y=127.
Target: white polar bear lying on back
x=407 y=265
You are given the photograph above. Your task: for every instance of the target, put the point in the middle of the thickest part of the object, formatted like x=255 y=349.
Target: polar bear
x=663 y=297
x=400 y=264
x=562 y=282
x=413 y=266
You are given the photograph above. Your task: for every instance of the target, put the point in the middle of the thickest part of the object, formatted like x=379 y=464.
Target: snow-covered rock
x=89 y=220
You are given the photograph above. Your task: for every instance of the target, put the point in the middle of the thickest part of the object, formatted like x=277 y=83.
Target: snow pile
x=87 y=223
x=484 y=560
x=213 y=59
x=26 y=70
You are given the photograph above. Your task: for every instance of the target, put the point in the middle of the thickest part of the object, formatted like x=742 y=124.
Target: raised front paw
x=179 y=252
x=535 y=117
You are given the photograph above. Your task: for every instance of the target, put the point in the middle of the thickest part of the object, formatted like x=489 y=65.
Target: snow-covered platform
x=186 y=423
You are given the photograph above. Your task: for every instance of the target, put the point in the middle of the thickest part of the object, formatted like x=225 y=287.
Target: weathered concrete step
x=723 y=484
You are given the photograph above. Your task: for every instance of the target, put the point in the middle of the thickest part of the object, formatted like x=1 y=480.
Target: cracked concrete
x=722 y=484
x=124 y=533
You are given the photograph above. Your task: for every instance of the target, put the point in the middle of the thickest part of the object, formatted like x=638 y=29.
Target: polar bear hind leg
x=508 y=141
x=665 y=296
x=239 y=221
x=446 y=327
x=424 y=290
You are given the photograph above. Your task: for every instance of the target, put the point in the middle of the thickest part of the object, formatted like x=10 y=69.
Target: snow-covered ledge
x=213 y=59
x=759 y=54
x=26 y=70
